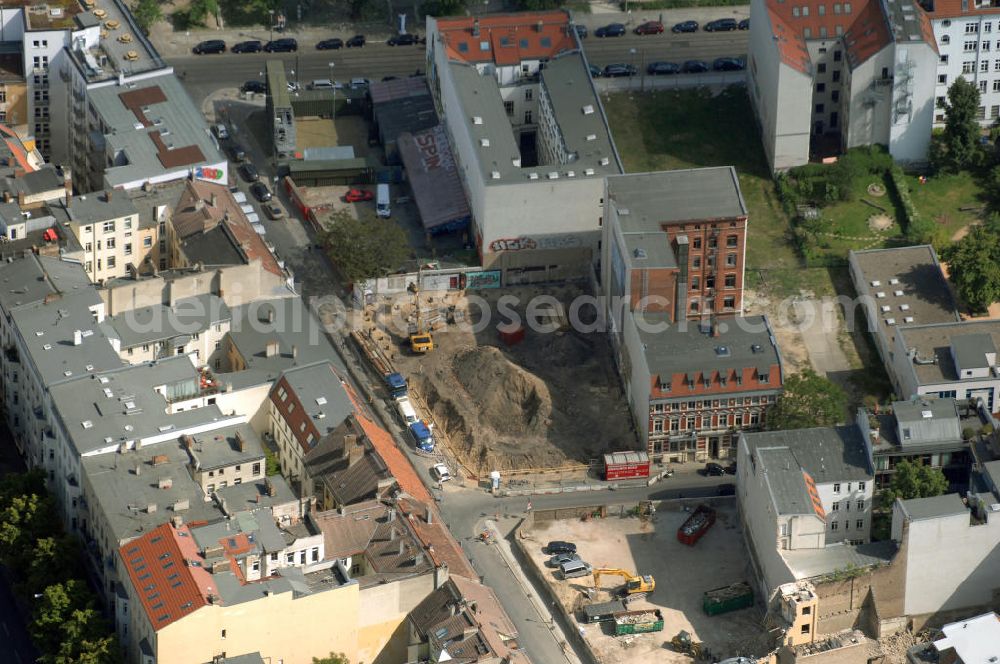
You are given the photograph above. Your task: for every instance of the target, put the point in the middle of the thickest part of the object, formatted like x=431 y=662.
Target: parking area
x=682 y=573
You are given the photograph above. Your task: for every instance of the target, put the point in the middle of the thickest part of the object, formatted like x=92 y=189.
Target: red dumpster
x=626 y=465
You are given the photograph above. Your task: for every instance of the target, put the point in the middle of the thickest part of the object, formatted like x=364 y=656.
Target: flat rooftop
x=154 y=129
x=121 y=47
x=933 y=362
x=906 y=276
x=53 y=15
x=949 y=504
x=160 y=322
x=810 y=563
x=647 y=201
x=828 y=454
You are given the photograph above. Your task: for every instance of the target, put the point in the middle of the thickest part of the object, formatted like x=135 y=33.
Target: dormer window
x=763 y=377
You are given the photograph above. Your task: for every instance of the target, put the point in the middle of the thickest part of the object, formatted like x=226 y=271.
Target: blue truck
x=396 y=384
x=422 y=436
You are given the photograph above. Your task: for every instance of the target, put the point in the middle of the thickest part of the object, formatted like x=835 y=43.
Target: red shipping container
x=626 y=465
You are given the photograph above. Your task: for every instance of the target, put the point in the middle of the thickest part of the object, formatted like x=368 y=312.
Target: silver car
x=559 y=559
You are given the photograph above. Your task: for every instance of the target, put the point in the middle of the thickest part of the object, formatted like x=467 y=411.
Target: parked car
x=559 y=559
x=744 y=24
x=210 y=46
x=283 y=45
x=252 y=46
x=359 y=83
x=324 y=84
x=274 y=211
x=713 y=469
x=694 y=67
x=292 y=86
x=728 y=64
x=727 y=489
x=254 y=86
x=581 y=31
x=649 y=28
x=610 y=30
x=595 y=71
x=731 y=468
x=260 y=191
x=237 y=152
x=405 y=39
x=440 y=472
x=359 y=195
x=559 y=546
x=661 y=68
x=249 y=172
x=722 y=25
x=330 y=44
x=389 y=78
x=355 y=41
x=685 y=26
x=617 y=70
x=220 y=131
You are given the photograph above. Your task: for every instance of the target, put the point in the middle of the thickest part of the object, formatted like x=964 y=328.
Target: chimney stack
x=475 y=27
x=107 y=195
x=77 y=337
x=270 y=315
x=355 y=449
x=271 y=350
x=6 y=197
x=430 y=516
x=20 y=198
x=215 y=200
x=241 y=442
x=295 y=351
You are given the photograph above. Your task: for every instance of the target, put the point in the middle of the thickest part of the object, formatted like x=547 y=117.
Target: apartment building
x=529 y=136
x=306 y=404
x=695 y=371
x=967 y=48
x=344 y=468
x=109 y=228
x=192 y=326
x=923 y=430
x=825 y=76
x=801 y=493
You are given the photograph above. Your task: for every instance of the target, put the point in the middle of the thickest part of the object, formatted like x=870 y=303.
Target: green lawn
x=673 y=129
x=941 y=198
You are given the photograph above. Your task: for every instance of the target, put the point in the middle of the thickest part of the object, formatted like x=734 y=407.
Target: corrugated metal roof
x=433 y=174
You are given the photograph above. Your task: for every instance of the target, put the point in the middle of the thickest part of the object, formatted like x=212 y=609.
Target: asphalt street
x=205 y=74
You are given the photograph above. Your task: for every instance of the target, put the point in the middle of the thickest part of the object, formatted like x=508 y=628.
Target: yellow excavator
x=421 y=340
x=634 y=583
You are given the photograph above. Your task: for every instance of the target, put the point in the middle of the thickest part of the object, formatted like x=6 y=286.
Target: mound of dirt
x=509 y=400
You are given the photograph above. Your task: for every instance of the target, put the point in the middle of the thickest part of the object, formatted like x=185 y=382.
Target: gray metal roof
x=178 y=115
x=645 y=201
x=917 y=273
x=828 y=454
x=926 y=420
x=159 y=322
x=411 y=111
x=810 y=563
x=46 y=178
x=220 y=447
x=125 y=496
x=434 y=178
x=785 y=481
x=259 y=524
x=101 y=206
x=213 y=247
x=649 y=250
x=254 y=494
x=949 y=504
x=294 y=326
x=111 y=407
x=567 y=82
x=33 y=277
x=933 y=362
x=321 y=392
x=747 y=342
x=480 y=98
x=970 y=350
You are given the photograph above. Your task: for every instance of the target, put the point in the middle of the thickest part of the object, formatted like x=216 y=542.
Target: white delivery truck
x=382 y=207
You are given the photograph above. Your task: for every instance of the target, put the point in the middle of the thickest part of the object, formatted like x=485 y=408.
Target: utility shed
x=399 y=106
x=433 y=175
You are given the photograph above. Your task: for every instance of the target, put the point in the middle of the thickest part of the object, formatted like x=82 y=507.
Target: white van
x=574 y=569
x=406 y=410
x=382 y=207
x=322 y=84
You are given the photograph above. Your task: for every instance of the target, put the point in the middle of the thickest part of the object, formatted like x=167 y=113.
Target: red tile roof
x=167 y=587
x=16 y=148
x=748 y=382
x=508 y=38
x=441 y=545
x=399 y=466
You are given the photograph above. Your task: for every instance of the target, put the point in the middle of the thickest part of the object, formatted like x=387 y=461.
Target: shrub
x=968 y=433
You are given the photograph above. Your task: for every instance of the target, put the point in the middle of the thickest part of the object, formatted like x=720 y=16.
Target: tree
x=974 y=265
x=444 y=7
x=199 y=10
x=912 y=479
x=332 y=658
x=960 y=140
x=365 y=247
x=146 y=13
x=808 y=400
x=69 y=629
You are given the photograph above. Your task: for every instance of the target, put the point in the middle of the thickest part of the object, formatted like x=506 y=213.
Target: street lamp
x=631 y=73
x=270 y=35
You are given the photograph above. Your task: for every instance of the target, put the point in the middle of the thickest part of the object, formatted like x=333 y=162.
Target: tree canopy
x=332 y=658
x=808 y=400
x=365 y=247
x=146 y=13
x=974 y=265
x=958 y=145
x=912 y=479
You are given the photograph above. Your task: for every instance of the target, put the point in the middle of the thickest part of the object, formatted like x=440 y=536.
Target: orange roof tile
x=507 y=39
x=167 y=587
x=399 y=466
x=441 y=545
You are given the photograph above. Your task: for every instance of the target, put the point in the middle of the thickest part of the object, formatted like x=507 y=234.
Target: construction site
x=505 y=397
x=707 y=611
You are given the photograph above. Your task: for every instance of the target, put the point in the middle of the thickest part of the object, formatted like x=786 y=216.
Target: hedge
x=917 y=228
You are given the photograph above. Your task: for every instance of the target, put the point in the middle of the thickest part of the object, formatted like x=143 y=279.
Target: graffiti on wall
x=525 y=243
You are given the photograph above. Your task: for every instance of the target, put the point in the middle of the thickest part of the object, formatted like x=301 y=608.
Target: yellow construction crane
x=421 y=340
x=634 y=583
